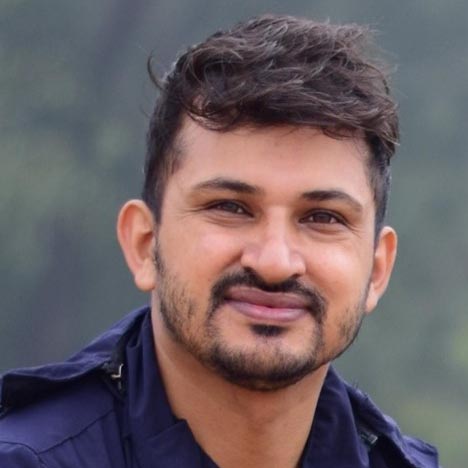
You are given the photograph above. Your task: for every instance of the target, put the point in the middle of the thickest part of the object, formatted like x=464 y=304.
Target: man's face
x=265 y=251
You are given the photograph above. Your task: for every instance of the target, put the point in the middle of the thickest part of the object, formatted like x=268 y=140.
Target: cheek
x=215 y=253
x=203 y=254
x=341 y=273
x=216 y=243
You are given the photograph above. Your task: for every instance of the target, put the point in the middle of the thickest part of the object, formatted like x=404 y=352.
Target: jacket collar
x=22 y=386
x=334 y=440
x=415 y=453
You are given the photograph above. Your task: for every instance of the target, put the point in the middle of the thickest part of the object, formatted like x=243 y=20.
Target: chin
x=269 y=364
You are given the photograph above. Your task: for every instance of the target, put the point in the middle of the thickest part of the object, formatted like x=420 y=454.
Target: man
x=261 y=240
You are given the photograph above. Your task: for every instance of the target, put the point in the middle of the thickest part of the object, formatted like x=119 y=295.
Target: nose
x=273 y=255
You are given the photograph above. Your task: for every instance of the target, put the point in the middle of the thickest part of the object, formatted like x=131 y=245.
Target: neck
x=234 y=425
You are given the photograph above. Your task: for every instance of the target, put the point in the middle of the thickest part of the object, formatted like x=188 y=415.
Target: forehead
x=281 y=157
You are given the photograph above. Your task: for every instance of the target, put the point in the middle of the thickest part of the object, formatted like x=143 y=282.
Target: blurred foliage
x=74 y=100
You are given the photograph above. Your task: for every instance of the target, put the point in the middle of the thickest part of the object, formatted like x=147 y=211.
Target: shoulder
x=66 y=414
x=66 y=420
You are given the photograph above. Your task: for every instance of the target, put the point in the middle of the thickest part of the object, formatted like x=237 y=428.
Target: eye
x=229 y=206
x=323 y=217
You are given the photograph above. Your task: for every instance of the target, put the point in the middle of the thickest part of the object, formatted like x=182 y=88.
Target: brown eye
x=229 y=207
x=325 y=218
x=322 y=217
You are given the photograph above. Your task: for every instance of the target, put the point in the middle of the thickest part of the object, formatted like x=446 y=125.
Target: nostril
x=275 y=265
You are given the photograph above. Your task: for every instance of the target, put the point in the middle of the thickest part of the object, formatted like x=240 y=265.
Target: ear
x=384 y=259
x=136 y=231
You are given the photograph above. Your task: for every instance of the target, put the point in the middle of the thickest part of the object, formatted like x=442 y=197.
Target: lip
x=267 y=306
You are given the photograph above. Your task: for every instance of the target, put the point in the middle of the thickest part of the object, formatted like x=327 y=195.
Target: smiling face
x=265 y=256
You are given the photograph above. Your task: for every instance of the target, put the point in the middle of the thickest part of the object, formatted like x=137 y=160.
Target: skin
x=285 y=204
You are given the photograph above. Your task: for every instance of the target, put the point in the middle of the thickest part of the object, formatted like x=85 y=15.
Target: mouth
x=267 y=307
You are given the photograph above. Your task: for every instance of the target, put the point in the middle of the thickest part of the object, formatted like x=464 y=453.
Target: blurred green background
x=74 y=101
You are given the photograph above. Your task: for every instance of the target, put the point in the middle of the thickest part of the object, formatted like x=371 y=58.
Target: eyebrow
x=233 y=185
x=339 y=195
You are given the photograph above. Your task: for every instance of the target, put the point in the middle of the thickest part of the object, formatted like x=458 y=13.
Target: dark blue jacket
x=106 y=407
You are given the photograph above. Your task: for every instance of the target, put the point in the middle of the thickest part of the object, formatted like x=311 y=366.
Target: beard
x=267 y=366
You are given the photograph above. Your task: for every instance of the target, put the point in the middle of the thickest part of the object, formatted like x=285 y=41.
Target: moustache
x=316 y=304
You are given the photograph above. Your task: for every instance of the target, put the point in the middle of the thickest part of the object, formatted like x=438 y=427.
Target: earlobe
x=384 y=259
x=135 y=231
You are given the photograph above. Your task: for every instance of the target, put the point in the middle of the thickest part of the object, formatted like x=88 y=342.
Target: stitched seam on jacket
x=27 y=447
x=72 y=436
x=66 y=439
